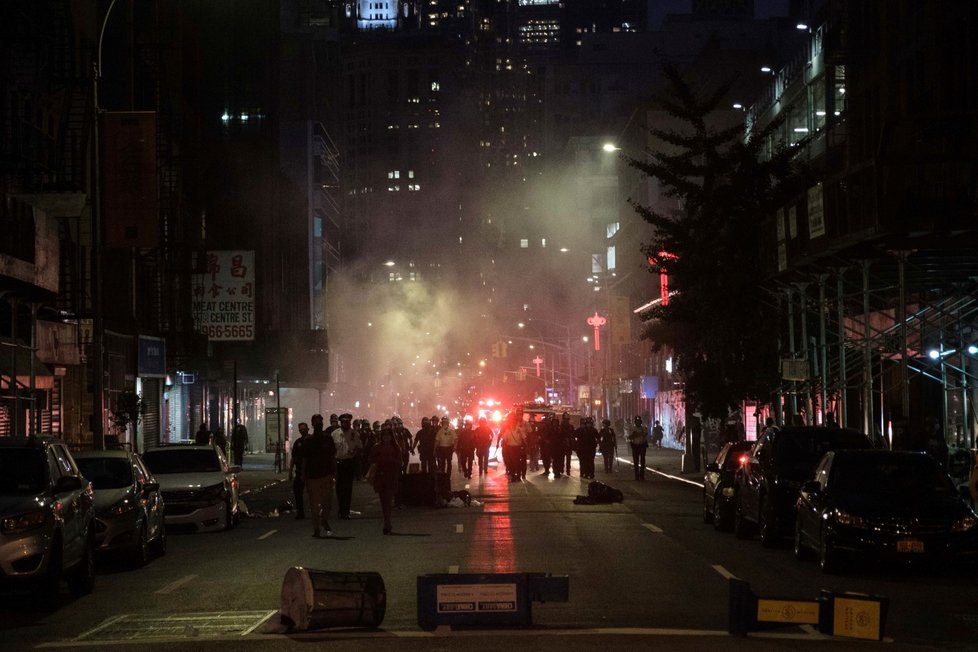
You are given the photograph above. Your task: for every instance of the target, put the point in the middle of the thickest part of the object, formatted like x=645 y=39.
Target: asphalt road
x=643 y=573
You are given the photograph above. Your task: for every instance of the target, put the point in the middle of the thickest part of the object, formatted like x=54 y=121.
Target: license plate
x=910 y=545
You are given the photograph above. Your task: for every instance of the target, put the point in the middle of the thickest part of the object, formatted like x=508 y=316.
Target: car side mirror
x=67 y=483
x=713 y=467
x=150 y=487
x=811 y=487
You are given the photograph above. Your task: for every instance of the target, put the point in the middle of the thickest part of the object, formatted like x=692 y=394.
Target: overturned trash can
x=316 y=599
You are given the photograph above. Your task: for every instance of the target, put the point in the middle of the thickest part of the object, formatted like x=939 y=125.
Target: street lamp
x=98 y=327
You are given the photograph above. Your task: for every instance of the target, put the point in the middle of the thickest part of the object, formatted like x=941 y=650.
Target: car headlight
x=23 y=522
x=216 y=492
x=964 y=524
x=849 y=520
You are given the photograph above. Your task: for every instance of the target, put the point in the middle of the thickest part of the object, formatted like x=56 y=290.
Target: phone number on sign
x=218 y=331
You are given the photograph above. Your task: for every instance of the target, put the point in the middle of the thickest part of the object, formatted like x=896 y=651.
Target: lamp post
x=567 y=349
x=98 y=327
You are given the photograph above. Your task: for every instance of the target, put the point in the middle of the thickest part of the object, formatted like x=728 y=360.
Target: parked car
x=718 y=484
x=882 y=504
x=766 y=487
x=200 y=489
x=47 y=518
x=128 y=505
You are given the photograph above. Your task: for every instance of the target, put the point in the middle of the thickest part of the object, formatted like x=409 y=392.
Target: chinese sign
x=224 y=296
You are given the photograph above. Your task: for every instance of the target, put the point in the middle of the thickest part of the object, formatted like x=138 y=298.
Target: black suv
x=766 y=486
x=47 y=518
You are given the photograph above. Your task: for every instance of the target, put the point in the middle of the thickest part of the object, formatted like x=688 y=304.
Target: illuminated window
x=543 y=242
x=611 y=229
x=611 y=258
x=524 y=243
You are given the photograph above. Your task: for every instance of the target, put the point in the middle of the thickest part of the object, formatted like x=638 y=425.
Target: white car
x=200 y=489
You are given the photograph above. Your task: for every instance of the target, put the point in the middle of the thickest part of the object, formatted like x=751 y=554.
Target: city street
x=644 y=572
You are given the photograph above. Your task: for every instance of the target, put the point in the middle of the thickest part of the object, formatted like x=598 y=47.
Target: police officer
x=608 y=444
x=567 y=441
x=424 y=442
x=638 y=439
x=587 y=444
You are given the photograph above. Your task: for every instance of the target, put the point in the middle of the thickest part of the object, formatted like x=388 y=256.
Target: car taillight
x=743 y=459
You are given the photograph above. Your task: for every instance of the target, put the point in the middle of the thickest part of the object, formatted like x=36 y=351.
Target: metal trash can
x=316 y=599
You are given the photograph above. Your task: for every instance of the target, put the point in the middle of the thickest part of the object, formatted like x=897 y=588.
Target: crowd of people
x=347 y=449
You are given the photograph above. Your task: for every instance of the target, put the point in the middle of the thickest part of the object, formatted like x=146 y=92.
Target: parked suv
x=766 y=486
x=47 y=518
x=199 y=487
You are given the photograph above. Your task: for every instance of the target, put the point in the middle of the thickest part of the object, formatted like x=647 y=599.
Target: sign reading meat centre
x=224 y=296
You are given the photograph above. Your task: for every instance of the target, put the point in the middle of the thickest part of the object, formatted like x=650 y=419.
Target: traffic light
x=499 y=349
x=495 y=349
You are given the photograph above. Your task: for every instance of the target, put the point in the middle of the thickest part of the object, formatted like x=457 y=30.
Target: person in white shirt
x=347 y=463
x=445 y=439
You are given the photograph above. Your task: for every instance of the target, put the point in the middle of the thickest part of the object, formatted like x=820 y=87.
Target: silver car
x=128 y=505
x=199 y=488
x=47 y=518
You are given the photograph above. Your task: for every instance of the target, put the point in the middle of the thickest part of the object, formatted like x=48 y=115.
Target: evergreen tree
x=718 y=323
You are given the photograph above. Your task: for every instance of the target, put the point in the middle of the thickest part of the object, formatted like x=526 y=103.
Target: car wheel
x=828 y=557
x=766 y=523
x=141 y=554
x=707 y=512
x=228 y=516
x=81 y=578
x=801 y=553
x=742 y=529
x=721 y=516
x=159 y=545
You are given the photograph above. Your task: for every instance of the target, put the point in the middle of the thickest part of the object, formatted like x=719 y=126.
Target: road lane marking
x=727 y=575
x=459 y=528
x=107 y=623
x=652 y=528
x=176 y=584
x=664 y=475
x=260 y=622
x=267 y=534
x=453 y=570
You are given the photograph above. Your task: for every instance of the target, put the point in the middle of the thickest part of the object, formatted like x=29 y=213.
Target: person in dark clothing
x=548 y=433
x=657 y=435
x=203 y=436
x=318 y=475
x=587 y=444
x=465 y=448
x=220 y=440
x=567 y=442
x=347 y=463
x=295 y=470
x=404 y=442
x=482 y=439
x=608 y=444
x=424 y=442
x=558 y=438
x=385 y=459
x=239 y=439
x=639 y=441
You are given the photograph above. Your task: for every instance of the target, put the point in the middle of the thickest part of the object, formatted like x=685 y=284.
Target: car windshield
x=188 y=460
x=106 y=472
x=799 y=452
x=23 y=471
x=903 y=477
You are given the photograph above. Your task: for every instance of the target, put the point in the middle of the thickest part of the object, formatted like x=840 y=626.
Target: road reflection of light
x=492 y=549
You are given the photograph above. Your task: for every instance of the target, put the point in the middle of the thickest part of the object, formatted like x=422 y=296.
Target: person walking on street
x=239 y=439
x=657 y=435
x=482 y=438
x=587 y=443
x=403 y=438
x=548 y=435
x=608 y=444
x=465 y=448
x=221 y=441
x=318 y=474
x=639 y=441
x=566 y=447
x=513 y=440
x=424 y=442
x=295 y=469
x=347 y=442
x=385 y=462
x=445 y=438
